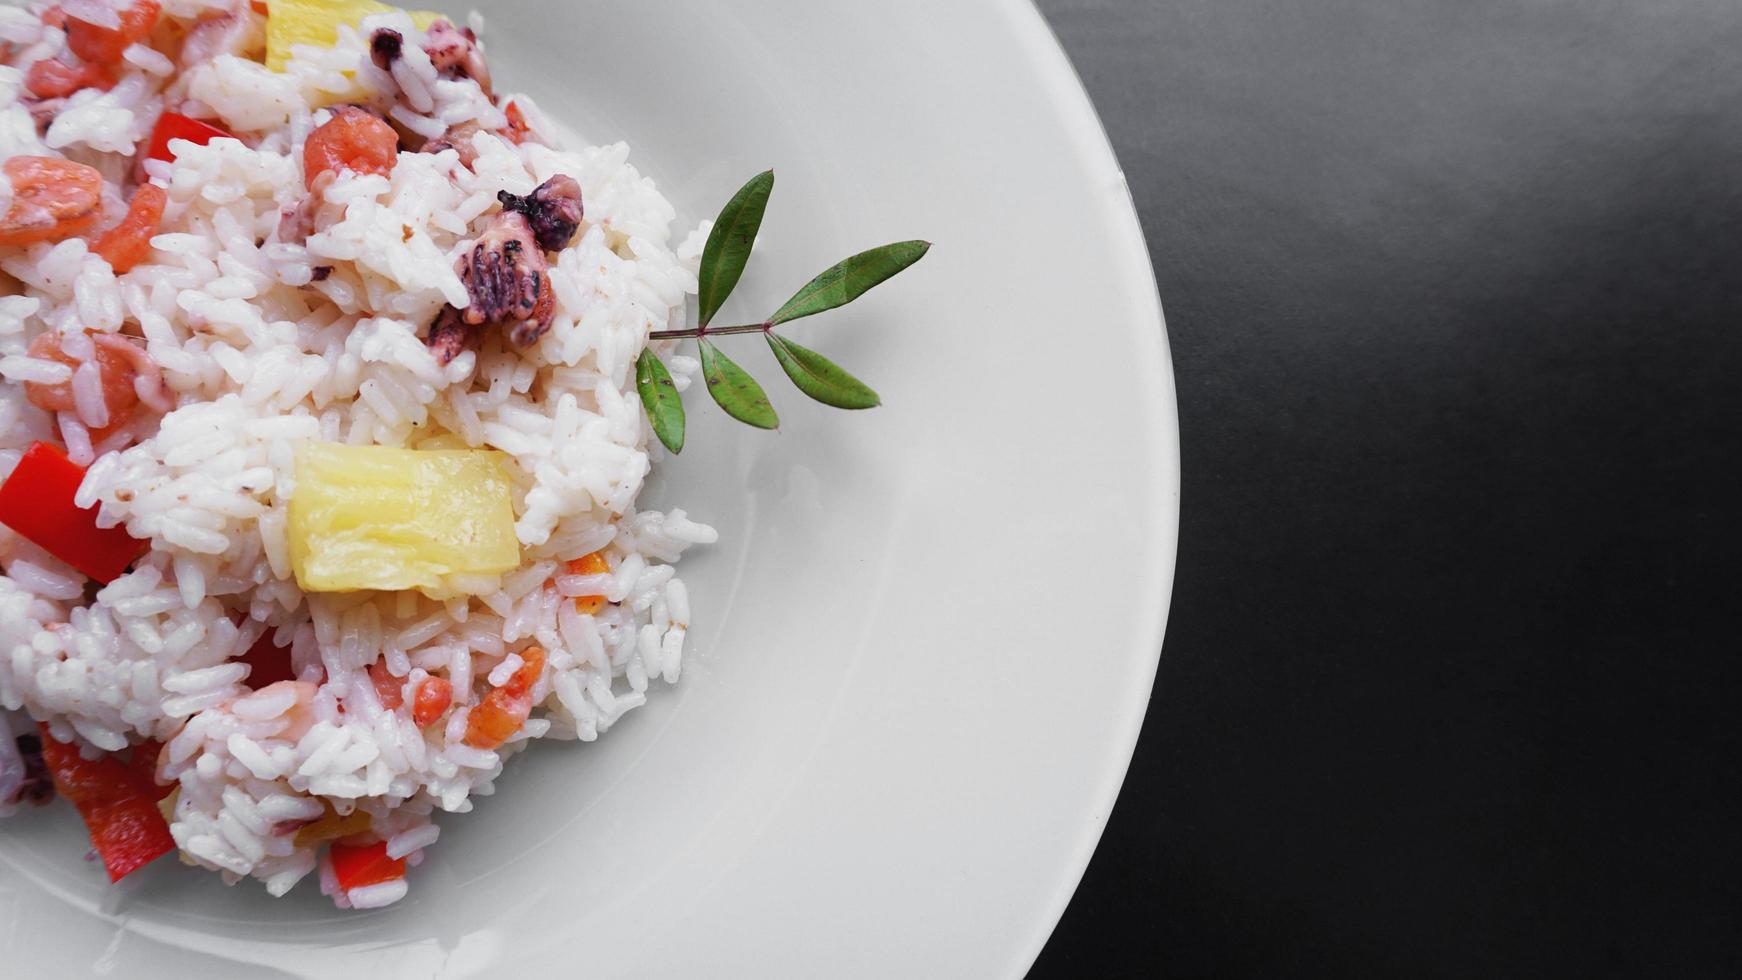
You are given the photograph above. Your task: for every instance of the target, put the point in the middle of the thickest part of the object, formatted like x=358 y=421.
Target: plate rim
x=1059 y=72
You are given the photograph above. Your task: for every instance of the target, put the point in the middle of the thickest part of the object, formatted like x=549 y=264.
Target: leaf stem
x=710 y=331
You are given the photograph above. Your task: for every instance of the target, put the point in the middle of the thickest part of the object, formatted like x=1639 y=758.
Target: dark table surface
x=1451 y=681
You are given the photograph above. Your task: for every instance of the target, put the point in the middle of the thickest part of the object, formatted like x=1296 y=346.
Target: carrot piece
x=434 y=695
x=589 y=564
x=501 y=713
x=390 y=689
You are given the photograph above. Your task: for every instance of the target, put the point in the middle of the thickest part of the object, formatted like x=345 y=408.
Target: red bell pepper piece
x=126 y=828
x=356 y=866
x=267 y=664
x=175 y=126
x=143 y=766
x=37 y=502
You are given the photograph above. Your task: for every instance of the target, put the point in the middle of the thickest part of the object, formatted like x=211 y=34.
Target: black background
x=1451 y=682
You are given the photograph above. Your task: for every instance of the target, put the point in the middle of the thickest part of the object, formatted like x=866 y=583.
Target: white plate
x=926 y=639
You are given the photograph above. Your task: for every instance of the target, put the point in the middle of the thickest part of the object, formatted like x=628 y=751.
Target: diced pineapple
x=331 y=826
x=316 y=22
x=373 y=517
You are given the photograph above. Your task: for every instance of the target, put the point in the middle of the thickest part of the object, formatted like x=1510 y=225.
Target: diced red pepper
x=37 y=502
x=267 y=663
x=175 y=126
x=143 y=765
x=356 y=866
x=126 y=827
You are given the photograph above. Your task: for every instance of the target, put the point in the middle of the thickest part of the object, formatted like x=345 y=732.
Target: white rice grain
x=415 y=839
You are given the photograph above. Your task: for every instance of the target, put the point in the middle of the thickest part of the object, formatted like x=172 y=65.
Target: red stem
x=710 y=331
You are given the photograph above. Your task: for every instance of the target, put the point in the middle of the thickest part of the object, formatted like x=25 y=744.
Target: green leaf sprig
x=733 y=389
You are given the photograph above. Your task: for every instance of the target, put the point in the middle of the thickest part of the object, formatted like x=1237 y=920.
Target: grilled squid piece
x=506 y=274
x=450 y=335
x=553 y=209
x=455 y=53
x=385 y=46
x=505 y=277
x=459 y=139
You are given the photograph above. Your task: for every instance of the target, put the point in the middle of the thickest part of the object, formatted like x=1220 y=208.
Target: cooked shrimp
x=104 y=45
x=126 y=374
x=51 y=78
x=52 y=199
x=353 y=139
x=299 y=717
x=148 y=381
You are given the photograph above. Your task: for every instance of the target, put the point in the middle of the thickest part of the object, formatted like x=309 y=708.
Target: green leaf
x=659 y=396
x=729 y=244
x=735 y=390
x=850 y=279
x=821 y=378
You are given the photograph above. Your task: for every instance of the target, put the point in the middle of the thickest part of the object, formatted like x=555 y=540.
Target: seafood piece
x=553 y=209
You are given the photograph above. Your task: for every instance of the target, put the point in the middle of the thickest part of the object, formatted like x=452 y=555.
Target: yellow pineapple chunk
x=374 y=517
x=316 y=22
x=331 y=826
